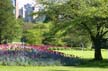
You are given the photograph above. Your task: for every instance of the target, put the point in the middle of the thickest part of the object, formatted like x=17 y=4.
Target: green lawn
x=89 y=66
x=85 y=54
x=50 y=68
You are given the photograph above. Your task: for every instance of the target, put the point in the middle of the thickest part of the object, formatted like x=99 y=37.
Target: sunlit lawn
x=96 y=66
x=85 y=54
x=49 y=68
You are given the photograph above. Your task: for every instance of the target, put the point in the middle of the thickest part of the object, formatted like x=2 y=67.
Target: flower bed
x=17 y=54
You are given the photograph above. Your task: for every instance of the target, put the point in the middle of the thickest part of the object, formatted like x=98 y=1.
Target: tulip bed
x=33 y=55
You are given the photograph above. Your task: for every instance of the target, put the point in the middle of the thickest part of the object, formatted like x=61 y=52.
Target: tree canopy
x=10 y=28
x=88 y=17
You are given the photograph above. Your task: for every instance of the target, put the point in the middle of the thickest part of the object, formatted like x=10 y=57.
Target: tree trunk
x=97 y=49
x=98 y=55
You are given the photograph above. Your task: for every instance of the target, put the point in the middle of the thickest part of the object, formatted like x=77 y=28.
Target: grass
x=88 y=66
x=50 y=68
x=87 y=57
x=84 y=54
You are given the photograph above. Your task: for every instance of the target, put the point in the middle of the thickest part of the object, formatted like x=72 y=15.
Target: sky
x=21 y=3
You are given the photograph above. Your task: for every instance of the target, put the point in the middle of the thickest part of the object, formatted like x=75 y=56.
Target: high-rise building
x=28 y=11
x=16 y=10
x=24 y=9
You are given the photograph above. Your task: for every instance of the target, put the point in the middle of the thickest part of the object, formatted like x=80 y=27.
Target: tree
x=89 y=17
x=10 y=28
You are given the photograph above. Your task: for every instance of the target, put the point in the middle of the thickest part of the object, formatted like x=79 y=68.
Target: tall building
x=28 y=11
x=24 y=9
x=16 y=11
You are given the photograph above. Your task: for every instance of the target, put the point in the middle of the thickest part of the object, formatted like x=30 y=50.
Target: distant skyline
x=24 y=9
x=21 y=3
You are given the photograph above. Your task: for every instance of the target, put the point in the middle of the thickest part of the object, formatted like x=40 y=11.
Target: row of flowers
x=42 y=48
x=33 y=55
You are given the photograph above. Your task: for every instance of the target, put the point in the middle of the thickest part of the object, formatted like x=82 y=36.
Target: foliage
x=40 y=33
x=9 y=26
x=18 y=31
x=86 y=17
x=51 y=39
x=34 y=35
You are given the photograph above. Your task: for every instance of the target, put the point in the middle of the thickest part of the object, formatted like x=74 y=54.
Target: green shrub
x=51 y=39
x=34 y=35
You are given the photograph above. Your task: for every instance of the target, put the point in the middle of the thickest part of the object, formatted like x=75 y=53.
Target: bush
x=34 y=35
x=51 y=39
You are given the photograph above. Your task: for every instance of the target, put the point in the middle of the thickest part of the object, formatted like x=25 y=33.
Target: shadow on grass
x=91 y=63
